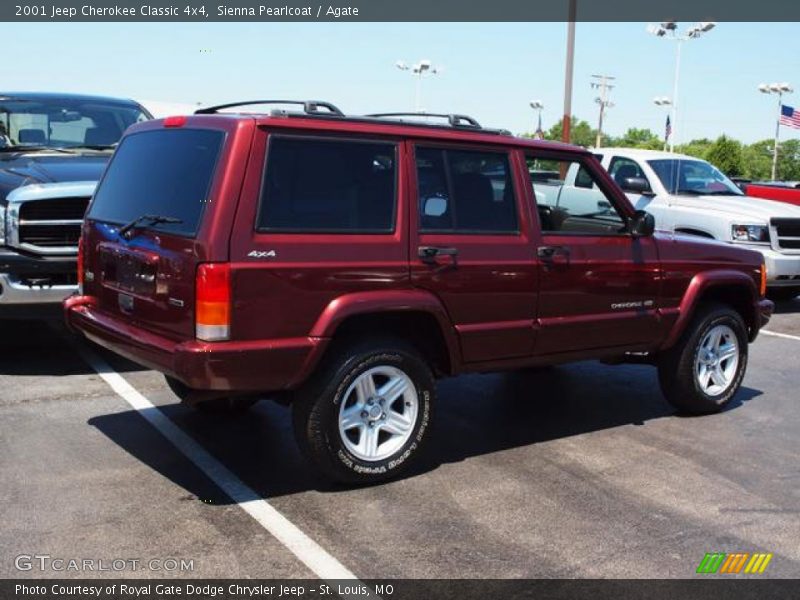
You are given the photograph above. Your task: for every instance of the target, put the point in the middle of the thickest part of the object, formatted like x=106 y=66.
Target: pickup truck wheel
x=363 y=417
x=228 y=405
x=704 y=370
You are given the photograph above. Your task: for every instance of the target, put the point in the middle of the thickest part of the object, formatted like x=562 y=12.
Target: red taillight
x=213 y=302
x=175 y=121
x=80 y=265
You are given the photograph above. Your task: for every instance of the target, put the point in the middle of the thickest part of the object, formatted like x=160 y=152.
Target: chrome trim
x=43 y=191
x=12 y=291
x=51 y=222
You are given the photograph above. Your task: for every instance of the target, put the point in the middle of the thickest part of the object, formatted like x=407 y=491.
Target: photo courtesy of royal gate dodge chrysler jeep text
x=342 y=264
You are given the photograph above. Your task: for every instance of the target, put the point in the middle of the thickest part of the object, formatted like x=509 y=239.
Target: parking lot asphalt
x=580 y=470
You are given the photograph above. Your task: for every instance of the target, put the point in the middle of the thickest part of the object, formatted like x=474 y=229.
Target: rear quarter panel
x=283 y=289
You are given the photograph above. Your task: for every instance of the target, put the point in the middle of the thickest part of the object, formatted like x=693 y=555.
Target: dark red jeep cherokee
x=342 y=264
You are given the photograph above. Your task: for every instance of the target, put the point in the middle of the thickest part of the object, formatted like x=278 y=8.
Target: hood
x=745 y=209
x=19 y=169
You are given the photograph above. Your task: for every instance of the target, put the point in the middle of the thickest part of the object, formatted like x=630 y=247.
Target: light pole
x=780 y=89
x=669 y=30
x=423 y=68
x=664 y=101
x=604 y=87
x=538 y=107
x=568 y=70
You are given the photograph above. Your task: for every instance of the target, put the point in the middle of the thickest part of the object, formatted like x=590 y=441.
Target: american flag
x=790 y=117
x=668 y=129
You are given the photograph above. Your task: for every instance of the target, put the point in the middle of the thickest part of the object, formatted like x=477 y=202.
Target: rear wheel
x=363 y=417
x=704 y=370
x=217 y=406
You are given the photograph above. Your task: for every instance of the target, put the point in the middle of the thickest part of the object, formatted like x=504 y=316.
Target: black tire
x=783 y=294
x=316 y=409
x=227 y=405
x=676 y=367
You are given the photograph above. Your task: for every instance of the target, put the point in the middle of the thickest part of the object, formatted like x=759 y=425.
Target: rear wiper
x=150 y=219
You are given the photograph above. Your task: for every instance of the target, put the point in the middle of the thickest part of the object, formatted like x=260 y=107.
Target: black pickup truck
x=53 y=149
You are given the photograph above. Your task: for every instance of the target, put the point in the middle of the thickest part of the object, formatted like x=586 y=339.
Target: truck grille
x=51 y=223
x=787 y=233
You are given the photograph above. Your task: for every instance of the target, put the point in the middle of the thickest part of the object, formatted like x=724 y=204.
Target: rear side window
x=161 y=172
x=465 y=191
x=328 y=186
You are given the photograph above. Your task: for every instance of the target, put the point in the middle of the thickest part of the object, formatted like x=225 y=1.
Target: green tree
x=582 y=133
x=696 y=148
x=640 y=138
x=757 y=160
x=726 y=154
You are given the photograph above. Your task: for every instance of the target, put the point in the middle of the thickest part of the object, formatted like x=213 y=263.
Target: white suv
x=689 y=195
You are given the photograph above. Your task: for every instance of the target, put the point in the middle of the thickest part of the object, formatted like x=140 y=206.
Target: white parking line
x=316 y=558
x=781 y=335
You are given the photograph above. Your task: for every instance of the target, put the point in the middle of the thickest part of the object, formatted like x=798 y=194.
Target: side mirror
x=636 y=185
x=642 y=224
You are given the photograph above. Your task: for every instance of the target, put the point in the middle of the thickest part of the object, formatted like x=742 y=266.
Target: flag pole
x=777 y=135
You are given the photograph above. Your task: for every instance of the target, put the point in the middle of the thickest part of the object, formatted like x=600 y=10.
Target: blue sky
x=491 y=70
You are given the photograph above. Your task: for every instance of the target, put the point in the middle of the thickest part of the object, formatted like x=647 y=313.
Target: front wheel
x=704 y=370
x=364 y=416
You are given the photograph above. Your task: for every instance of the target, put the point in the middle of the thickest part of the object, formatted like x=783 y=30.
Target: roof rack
x=318 y=109
x=454 y=120
x=310 y=107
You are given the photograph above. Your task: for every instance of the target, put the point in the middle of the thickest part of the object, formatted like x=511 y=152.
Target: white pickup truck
x=689 y=195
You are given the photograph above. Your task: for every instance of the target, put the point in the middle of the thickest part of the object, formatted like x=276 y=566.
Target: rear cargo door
x=147 y=275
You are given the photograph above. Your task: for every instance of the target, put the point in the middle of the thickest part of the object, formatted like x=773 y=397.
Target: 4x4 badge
x=262 y=254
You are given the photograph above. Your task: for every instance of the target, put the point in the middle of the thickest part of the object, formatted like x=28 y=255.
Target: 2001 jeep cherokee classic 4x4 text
x=344 y=263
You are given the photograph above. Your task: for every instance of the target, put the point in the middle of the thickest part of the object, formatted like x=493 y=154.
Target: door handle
x=553 y=254
x=429 y=254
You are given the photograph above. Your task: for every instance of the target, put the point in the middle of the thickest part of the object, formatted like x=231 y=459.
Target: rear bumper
x=250 y=366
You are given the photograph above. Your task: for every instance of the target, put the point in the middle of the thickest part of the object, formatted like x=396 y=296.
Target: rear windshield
x=164 y=172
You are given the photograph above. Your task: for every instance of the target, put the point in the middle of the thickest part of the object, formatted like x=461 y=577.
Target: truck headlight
x=2 y=225
x=750 y=233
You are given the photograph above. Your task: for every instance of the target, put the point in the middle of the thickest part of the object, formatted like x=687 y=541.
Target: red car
x=342 y=264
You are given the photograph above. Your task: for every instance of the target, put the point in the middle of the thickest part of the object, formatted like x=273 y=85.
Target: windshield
x=64 y=122
x=693 y=177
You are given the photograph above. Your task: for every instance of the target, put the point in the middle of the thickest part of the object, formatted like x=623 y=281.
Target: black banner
x=702 y=588
x=397 y=10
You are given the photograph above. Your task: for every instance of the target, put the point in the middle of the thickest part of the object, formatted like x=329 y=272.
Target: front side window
x=465 y=191
x=622 y=168
x=693 y=178
x=328 y=186
x=568 y=206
